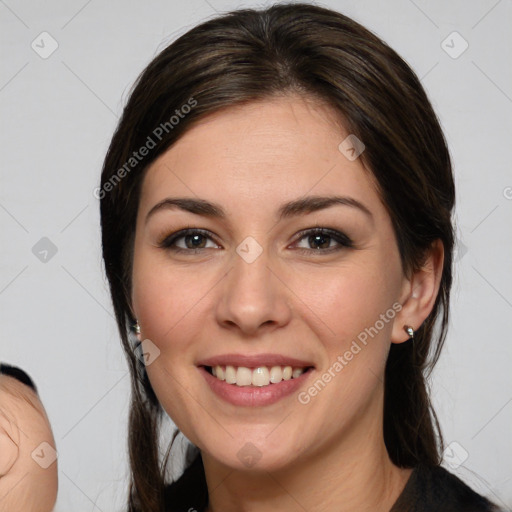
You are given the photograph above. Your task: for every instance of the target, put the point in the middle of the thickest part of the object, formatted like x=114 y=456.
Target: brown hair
x=250 y=55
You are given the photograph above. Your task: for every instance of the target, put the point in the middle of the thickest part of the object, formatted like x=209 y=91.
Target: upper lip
x=254 y=361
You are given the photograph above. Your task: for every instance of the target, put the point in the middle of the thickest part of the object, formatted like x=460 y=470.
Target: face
x=28 y=468
x=258 y=286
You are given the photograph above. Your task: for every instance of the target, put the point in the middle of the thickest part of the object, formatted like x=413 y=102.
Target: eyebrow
x=293 y=208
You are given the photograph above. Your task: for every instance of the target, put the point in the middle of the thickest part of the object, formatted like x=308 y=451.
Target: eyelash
x=343 y=240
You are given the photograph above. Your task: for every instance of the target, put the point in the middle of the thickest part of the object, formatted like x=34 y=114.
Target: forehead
x=272 y=151
x=15 y=395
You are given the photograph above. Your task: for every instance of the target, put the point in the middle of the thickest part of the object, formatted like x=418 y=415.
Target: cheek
x=164 y=299
x=167 y=303
x=164 y=306
x=351 y=301
x=357 y=306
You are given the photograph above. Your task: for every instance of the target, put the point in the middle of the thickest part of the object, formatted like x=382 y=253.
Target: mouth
x=259 y=376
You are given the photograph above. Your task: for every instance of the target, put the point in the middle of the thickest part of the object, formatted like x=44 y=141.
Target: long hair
x=249 y=55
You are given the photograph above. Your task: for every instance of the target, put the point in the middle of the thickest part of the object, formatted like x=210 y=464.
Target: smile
x=260 y=376
x=255 y=395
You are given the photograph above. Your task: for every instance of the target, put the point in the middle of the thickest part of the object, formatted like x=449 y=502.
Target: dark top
x=429 y=489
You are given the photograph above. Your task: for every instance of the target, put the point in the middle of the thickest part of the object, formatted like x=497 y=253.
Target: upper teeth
x=261 y=376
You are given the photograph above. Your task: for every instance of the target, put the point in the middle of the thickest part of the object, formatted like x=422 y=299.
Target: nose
x=254 y=297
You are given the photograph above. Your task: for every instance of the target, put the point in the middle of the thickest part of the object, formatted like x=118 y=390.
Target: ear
x=133 y=315
x=136 y=330
x=419 y=293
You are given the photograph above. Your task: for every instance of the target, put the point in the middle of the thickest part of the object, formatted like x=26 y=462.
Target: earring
x=410 y=331
x=136 y=328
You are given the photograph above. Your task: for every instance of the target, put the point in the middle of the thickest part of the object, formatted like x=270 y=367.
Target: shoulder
x=429 y=489
x=189 y=493
x=434 y=488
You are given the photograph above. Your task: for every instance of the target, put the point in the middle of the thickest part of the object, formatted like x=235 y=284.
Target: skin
x=25 y=484
x=328 y=454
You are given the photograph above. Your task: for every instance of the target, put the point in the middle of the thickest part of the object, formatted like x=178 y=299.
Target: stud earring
x=136 y=328
x=410 y=331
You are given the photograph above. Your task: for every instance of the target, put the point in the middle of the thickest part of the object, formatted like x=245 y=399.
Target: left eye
x=322 y=238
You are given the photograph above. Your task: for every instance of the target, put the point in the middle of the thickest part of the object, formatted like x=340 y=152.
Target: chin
x=252 y=453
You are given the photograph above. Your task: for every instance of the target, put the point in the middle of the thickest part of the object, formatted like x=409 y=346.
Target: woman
x=276 y=223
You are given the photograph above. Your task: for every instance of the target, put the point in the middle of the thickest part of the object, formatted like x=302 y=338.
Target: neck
x=348 y=474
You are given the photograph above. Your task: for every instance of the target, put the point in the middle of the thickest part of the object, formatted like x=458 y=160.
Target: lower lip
x=253 y=396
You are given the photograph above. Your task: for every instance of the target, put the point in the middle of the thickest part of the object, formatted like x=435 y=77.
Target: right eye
x=193 y=240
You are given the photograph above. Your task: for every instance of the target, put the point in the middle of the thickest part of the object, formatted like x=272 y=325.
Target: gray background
x=57 y=117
